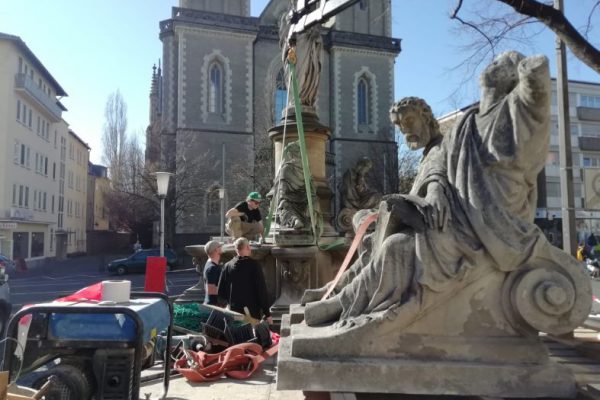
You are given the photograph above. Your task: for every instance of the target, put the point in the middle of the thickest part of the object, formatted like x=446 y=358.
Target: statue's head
x=364 y=165
x=416 y=121
x=502 y=75
x=292 y=151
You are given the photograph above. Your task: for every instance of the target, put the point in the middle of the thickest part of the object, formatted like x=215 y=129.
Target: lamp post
x=162 y=185
x=222 y=198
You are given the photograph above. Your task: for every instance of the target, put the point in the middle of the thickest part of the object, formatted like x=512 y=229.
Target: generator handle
x=166 y=355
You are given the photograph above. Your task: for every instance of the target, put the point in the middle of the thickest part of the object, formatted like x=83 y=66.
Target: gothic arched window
x=215 y=88
x=213 y=202
x=280 y=95
x=363 y=101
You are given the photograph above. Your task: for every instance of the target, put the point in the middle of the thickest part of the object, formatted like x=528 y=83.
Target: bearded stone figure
x=456 y=281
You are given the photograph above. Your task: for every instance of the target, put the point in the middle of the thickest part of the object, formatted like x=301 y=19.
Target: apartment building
x=584 y=115
x=43 y=165
x=75 y=194
x=30 y=128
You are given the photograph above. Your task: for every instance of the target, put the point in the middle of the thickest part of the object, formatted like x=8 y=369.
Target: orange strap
x=362 y=229
x=238 y=362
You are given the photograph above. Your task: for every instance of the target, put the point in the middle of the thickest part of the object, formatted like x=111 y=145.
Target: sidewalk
x=260 y=387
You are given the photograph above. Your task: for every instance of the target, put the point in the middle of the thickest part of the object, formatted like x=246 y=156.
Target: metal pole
x=223 y=197
x=162 y=226
x=564 y=135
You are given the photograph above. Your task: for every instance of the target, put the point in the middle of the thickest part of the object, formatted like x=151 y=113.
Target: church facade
x=221 y=88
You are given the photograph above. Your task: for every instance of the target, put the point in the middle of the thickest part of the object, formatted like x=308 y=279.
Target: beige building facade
x=76 y=193
x=34 y=162
x=98 y=185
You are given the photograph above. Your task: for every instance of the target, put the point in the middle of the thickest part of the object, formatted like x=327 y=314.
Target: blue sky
x=95 y=47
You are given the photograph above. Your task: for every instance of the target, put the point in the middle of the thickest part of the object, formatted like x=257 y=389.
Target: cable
x=20 y=359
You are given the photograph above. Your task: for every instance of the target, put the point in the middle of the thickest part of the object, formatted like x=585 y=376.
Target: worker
x=244 y=220
x=242 y=284
x=212 y=272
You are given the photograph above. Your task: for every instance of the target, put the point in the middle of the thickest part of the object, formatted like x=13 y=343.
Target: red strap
x=238 y=362
x=362 y=229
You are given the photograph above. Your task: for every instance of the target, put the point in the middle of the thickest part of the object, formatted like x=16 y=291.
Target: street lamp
x=162 y=185
x=222 y=199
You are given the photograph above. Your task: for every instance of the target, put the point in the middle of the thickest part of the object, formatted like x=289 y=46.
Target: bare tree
x=498 y=22
x=114 y=137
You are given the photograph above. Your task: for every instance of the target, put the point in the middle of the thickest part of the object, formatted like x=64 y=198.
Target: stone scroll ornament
x=468 y=219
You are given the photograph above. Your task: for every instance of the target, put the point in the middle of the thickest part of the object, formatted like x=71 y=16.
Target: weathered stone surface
x=356 y=193
x=450 y=291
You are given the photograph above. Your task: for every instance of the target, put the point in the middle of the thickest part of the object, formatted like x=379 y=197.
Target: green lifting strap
x=305 y=169
x=304 y=156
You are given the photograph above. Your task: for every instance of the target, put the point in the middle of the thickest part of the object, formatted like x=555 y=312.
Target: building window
x=363 y=101
x=26 y=197
x=590 y=101
x=213 y=206
x=14 y=196
x=16 y=152
x=280 y=95
x=18 y=110
x=52 y=209
x=215 y=88
x=30 y=119
x=20 y=245
x=553 y=189
x=37 y=244
x=20 y=195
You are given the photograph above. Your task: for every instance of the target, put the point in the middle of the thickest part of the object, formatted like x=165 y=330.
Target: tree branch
x=562 y=27
x=469 y=24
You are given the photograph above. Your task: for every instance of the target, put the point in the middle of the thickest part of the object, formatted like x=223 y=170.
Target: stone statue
x=356 y=193
x=452 y=288
x=416 y=121
x=476 y=192
x=289 y=190
x=308 y=60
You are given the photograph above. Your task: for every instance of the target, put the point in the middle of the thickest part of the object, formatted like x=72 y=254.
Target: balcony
x=588 y=114
x=589 y=143
x=25 y=85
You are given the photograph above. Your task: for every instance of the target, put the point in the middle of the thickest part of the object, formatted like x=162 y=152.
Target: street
x=63 y=278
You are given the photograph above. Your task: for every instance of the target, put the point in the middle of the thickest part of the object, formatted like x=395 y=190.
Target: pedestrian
x=137 y=246
x=212 y=272
x=244 y=219
x=242 y=284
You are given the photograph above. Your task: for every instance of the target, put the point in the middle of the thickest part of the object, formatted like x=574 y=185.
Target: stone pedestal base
x=298 y=269
x=496 y=367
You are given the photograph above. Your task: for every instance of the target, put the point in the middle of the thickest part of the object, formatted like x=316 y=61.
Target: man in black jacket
x=242 y=283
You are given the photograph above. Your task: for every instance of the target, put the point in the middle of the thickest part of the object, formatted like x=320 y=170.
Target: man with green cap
x=244 y=219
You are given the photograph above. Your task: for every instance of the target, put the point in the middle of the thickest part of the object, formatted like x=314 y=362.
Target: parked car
x=5 y=304
x=8 y=264
x=137 y=261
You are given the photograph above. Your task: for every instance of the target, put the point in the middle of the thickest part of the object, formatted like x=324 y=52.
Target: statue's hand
x=437 y=213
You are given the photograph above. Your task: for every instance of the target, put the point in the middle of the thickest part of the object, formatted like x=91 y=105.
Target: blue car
x=137 y=261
